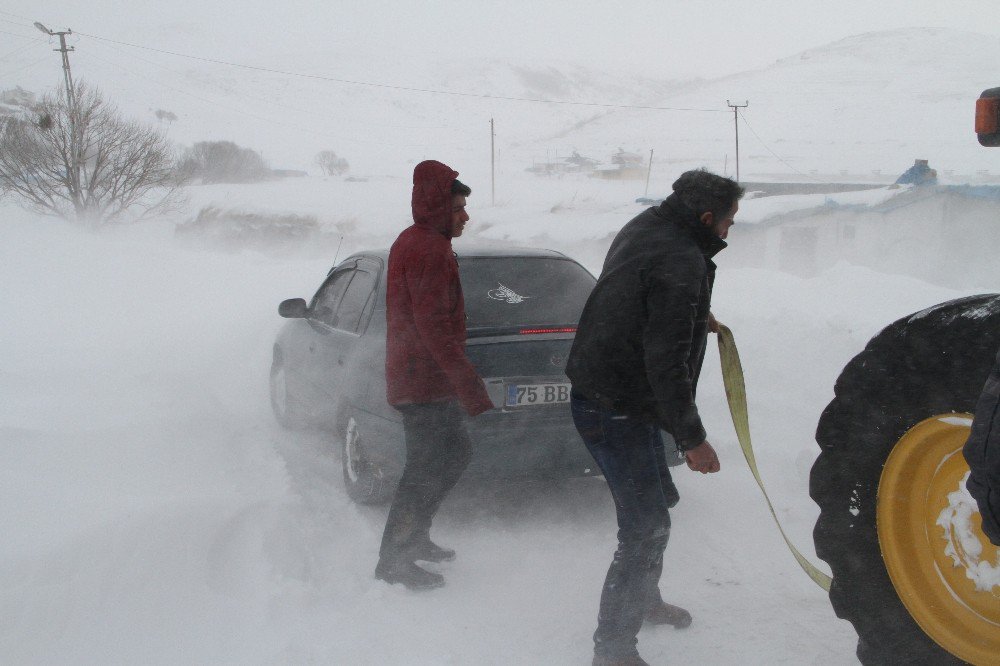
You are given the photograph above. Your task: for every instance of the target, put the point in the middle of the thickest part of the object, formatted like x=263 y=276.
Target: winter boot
x=664 y=613
x=628 y=660
x=428 y=551
x=409 y=574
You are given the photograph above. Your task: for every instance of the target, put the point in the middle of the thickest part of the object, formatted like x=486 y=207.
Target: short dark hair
x=704 y=192
x=458 y=188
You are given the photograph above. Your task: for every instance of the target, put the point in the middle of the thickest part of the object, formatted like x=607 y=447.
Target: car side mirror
x=293 y=308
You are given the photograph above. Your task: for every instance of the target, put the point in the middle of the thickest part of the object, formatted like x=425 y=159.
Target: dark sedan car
x=522 y=308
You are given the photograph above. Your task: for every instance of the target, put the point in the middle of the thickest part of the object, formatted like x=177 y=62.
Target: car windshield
x=502 y=292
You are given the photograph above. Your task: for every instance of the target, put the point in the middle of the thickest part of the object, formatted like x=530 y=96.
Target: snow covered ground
x=154 y=512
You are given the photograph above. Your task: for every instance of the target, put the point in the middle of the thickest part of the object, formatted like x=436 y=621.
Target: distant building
x=899 y=235
x=627 y=166
x=579 y=163
x=288 y=173
x=627 y=160
x=919 y=174
x=575 y=163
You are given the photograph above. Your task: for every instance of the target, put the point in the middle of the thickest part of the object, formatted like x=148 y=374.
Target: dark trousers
x=437 y=452
x=630 y=453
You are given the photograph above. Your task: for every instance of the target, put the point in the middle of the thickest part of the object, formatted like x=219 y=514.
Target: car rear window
x=504 y=292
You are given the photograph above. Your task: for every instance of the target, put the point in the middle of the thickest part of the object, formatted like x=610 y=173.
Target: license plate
x=522 y=395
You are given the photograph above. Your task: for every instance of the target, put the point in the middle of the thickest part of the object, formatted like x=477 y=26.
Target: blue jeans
x=630 y=453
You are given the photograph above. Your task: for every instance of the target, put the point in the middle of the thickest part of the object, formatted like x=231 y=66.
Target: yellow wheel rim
x=942 y=566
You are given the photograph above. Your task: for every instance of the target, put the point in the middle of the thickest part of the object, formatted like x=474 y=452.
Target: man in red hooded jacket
x=429 y=378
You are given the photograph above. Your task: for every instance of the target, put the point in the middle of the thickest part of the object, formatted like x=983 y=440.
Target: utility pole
x=649 y=171
x=493 y=164
x=65 y=58
x=74 y=170
x=736 y=124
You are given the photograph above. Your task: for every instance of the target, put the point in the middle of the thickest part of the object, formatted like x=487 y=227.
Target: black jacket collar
x=677 y=211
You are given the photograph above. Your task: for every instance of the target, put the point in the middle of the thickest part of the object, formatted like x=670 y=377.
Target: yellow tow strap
x=736 y=394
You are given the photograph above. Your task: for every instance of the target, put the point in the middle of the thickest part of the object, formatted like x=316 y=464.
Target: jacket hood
x=431 y=201
x=675 y=209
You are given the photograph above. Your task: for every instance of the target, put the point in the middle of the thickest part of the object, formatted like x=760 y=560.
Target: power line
x=241 y=111
x=431 y=91
x=14 y=34
x=255 y=100
x=24 y=67
x=768 y=148
x=2 y=20
x=16 y=51
x=23 y=18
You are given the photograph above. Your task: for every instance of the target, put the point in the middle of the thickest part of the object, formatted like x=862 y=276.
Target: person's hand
x=713 y=323
x=702 y=458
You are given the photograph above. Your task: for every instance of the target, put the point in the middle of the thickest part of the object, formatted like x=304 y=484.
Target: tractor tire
x=918 y=377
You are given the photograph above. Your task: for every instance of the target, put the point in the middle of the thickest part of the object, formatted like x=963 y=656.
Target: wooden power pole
x=736 y=124
x=649 y=171
x=493 y=165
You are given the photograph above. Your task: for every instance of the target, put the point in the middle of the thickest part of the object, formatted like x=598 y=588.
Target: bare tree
x=331 y=165
x=222 y=162
x=164 y=115
x=79 y=159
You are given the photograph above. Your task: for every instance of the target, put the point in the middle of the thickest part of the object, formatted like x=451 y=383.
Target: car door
x=309 y=342
x=339 y=316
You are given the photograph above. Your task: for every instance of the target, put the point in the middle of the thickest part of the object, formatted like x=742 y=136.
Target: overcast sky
x=691 y=38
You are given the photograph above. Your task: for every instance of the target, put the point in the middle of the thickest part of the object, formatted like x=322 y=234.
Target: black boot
x=428 y=551
x=627 y=660
x=664 y=613
x=409 y=574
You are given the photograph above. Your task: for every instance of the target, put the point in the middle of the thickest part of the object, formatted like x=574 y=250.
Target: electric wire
x=3 y=20
x=24 y=67
x=768 y=148
x=258 y=100
x=107 y=42
x=23 y=18
x=16 y=51
x=248 y=114
x=431 y=91
x=14 y=34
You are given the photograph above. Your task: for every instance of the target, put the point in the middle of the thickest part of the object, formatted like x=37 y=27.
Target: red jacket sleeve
x=430 y=283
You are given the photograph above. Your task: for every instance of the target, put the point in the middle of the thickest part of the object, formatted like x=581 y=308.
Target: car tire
x=364 y=479
x=932 y=363
x=288 y=411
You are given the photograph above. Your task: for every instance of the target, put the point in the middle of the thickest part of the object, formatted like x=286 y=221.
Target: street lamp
x=65 y=55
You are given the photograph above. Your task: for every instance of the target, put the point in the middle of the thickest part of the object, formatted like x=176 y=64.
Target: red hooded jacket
x=425 y=311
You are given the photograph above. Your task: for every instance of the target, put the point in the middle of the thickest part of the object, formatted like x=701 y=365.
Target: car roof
x=477 y=251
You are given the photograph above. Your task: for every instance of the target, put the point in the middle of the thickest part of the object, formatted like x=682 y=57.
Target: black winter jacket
x=642 y=335
x=982 y=452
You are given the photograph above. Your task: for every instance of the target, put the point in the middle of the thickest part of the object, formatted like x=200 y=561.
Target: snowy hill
x=872 y=102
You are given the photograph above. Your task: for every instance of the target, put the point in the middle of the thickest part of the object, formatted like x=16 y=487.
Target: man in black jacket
x=982 y=452
x=634 y=368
